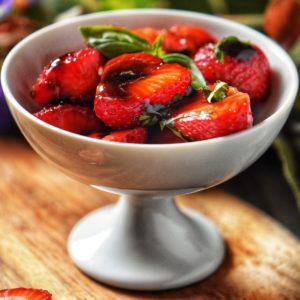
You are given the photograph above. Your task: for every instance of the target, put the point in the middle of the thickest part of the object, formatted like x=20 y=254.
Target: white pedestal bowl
x=145 y=242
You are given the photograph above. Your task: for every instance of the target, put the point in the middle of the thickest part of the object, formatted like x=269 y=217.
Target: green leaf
x=112 y=41
x=232 y=46
x=218 y=93
x=198 y=80
x=285 y=153
x=157 y=49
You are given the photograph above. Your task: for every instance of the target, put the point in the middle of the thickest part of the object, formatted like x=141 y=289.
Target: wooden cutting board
x=39 y=206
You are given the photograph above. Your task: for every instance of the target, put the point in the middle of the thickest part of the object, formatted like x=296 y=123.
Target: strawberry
x=72 y=118
x=97 y=135
x=71 y=77
x=200 y=120
x=138 y=135
x=136 y=88
x=179 y=38
x=24 y=294
x=242 y=65
x=186 y=38
x=148 y=33
x=165 y=136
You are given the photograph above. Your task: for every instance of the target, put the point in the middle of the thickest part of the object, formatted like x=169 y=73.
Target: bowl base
x=146 y=243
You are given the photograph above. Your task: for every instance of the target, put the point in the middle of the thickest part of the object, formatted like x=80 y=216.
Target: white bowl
x=141 y=170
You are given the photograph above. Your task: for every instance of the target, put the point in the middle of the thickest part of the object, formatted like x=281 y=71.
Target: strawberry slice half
x=200 y=120
x=25 y=294
x=138 y=135
x=76 y=119
x=136 y=88
x=72 y=77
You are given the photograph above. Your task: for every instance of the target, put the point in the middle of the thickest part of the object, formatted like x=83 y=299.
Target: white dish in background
x=145 y=242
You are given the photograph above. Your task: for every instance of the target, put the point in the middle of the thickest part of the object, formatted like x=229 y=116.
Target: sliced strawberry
x=24 y=294
x=71 y=77
x=136 y=86
x=200 y=120
x=165 y=136
x=245 y=67
x=72 y=118
x=138 y=135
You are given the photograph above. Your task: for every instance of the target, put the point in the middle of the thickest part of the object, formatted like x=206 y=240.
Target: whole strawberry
x=72 y=77
x=136 y=88
x=240 y=64
x=227 y=112
x=179 y=38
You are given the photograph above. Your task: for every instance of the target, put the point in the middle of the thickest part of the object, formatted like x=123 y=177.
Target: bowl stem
x=145 y=242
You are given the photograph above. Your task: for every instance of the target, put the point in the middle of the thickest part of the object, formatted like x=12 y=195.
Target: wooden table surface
x=39 y=206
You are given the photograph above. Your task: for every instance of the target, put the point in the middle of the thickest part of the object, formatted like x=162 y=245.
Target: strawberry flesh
x=134 y=84
x=76 y=119
x=72 y=77
x=25 y=294
x=138 y=135
x=202 y=120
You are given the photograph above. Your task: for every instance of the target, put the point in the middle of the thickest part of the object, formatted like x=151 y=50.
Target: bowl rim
x=286 y=106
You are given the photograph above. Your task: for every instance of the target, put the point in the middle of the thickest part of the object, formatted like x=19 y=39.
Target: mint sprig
x=218 y=93
x=113 y=41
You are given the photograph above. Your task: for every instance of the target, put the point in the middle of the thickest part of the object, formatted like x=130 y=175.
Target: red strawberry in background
x=147 y=33
x=136 y=88
x=186 y=38
x=138 y=135
x=24 y=294
x=179 y=38
x=76 y=119
x=240 y=64
x=72 y=77
x=200 y=120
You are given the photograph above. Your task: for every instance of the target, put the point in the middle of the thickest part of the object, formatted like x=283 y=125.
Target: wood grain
x=39 y=206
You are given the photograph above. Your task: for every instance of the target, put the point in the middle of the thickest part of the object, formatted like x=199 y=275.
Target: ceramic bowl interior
x=101 y=164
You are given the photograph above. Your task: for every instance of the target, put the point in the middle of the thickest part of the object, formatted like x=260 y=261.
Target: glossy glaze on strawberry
x=245 y=67
x=136 y=87
x=72 y=77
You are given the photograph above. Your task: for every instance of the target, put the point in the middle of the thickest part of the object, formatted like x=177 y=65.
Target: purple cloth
x=6 y=121
x=5 y=8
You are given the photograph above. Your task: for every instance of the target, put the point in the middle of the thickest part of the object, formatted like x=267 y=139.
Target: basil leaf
x=218 y=93
x=198 y=80
x=157 y=49
x=112 y=41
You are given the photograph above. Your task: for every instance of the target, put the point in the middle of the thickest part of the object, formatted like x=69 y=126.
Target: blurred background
x=273 y=182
